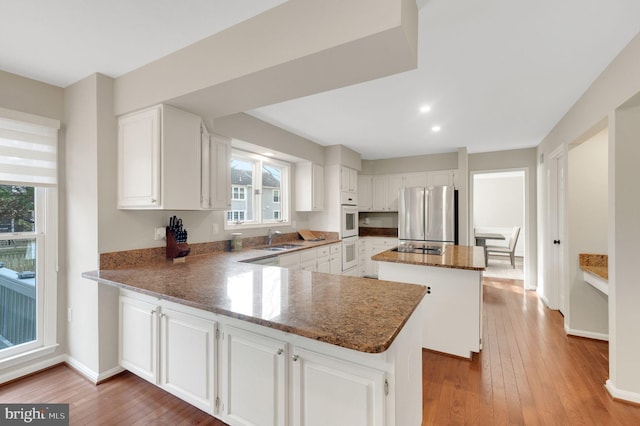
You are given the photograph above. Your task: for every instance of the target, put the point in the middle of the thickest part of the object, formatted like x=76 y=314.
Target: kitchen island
x=249 y=343
x=452 y=314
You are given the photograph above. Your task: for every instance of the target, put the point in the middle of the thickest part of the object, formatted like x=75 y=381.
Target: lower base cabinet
x=254 y=379
x=170 y=348
x=355 y=393
x=265 y=376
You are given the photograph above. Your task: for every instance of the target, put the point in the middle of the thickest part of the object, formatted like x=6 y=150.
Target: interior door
x=555 y=282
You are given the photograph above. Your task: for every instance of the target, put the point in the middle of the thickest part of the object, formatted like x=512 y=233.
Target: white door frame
x=529 y=283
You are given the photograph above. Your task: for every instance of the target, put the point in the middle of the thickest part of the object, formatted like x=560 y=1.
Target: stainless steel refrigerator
x=428 y=215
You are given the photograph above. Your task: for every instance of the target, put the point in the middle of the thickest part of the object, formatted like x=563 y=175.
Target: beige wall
x=30 y=96
x=588 y=233
x=613 y=88
x=420 y=163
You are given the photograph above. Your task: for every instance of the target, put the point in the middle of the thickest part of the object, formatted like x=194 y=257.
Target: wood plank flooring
x=528 y=373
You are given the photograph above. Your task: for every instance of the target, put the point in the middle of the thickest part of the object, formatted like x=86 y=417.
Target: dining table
x=481 y=240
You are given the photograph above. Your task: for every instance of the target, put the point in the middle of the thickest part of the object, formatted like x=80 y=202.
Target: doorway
x=498 y=204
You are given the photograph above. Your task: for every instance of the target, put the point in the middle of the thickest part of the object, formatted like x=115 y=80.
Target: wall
x=420 y=163
x=617 y=84
x=498 y=202
x=588 y=226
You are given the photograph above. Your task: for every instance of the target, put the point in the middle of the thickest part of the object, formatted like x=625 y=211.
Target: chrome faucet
x=271 y=234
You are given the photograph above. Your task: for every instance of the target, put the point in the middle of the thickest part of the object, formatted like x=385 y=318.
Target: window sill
x=27 y=356
x=233 y=227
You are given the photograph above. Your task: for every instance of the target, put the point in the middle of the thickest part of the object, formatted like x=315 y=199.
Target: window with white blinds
x=28 y=149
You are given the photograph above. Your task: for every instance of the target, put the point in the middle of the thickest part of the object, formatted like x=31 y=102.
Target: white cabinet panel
x=415 y=179
x=139 y=338
x=354 y=393
x=348 y=179
x=188 y=357
x=309 y=187
x=172 y=349
x=254 y=383
x=365 y=193
x=216 y=173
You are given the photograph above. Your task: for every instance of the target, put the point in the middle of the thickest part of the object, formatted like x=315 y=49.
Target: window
x=259 y=191
x=235 y=215
x=238 y=192
x=28 y=230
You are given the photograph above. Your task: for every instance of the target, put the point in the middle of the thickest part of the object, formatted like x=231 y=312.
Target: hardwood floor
x=529 y=372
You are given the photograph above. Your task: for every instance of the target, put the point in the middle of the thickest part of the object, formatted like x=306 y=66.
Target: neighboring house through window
x=259 y=188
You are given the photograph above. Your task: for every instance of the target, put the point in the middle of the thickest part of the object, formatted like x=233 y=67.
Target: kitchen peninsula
x=246 y=342
x=452 y=314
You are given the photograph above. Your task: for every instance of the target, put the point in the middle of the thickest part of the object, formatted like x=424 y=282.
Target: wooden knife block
x=174 y=248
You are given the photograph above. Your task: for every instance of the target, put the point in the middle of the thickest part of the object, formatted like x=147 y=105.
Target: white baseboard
x=621 y=394
x=588 y=334
x=89 y=374
x=32 y=368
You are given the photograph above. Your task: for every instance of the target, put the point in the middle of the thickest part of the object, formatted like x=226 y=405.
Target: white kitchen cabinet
x=216 y=172
x=323 y=259
x=308 y=261
x=415 y=179
x=377 y=245
x=289 y=260
x=356 y=394
x=362 y=257
x=385 y=192
x=335 y=261
x=365 y=193
x=441 y=177
x=254 y=383
x=169 y=347
x=188 y=357
x=158 y=159
x=348 y=180
x=138 y=349
x=309 y=187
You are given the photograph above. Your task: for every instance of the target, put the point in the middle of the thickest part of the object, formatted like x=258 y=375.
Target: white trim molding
x=621 y=395
x=587 y=334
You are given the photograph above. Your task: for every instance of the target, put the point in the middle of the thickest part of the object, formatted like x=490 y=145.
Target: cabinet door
x=365 y=193
x=441 y=177
x=139 y=338
x=188 y=358
x=335 y=258
x=317 y=187
x=139 y=148
x=354 y=393
x=393 y=192
x=415 y=179
x=220 y=173
x=254 y=378
x=380 y=189
x=353 y=180
x=289 y=261
x=348 y=179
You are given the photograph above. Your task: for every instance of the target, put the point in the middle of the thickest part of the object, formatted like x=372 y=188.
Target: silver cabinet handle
x=295 y=357
x=280 y=351
x=153 y=312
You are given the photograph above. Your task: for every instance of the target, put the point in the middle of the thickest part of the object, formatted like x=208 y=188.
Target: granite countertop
x=597 y=264
x=356 y=313
x=455 y=257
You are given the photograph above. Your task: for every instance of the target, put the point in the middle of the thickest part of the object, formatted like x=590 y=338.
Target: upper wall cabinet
x=161 y=163
x=309 y=187
x=348 y=180
x=216 y=173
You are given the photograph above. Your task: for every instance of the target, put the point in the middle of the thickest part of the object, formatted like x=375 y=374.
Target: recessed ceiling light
x=435 y=129
x=425 y=109
x=268 y=154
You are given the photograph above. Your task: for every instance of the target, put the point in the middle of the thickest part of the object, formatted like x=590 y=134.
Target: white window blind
x=28 y=149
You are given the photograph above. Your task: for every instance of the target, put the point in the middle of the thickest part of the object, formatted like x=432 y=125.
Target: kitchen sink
x=280 y=247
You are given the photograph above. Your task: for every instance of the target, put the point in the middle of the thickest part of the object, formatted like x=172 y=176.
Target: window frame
x=258 y=221
x=241 y=190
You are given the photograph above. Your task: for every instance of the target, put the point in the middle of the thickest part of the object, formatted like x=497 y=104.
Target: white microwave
x=349 y=227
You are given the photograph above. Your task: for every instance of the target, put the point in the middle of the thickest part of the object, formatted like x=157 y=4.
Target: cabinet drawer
x=322 y=251
x=307 y=255
x=336 y=248
x=286 y=260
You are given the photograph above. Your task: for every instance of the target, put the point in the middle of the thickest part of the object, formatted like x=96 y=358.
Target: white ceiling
x=498 y=74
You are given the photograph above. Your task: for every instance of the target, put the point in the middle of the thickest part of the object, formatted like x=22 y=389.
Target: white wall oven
x=349 y=253
x=349 y=227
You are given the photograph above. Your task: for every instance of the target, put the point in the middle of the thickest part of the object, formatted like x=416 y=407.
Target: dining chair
x=510 y=249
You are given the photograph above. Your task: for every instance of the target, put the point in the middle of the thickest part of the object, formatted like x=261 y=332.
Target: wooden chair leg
x=513 y=260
